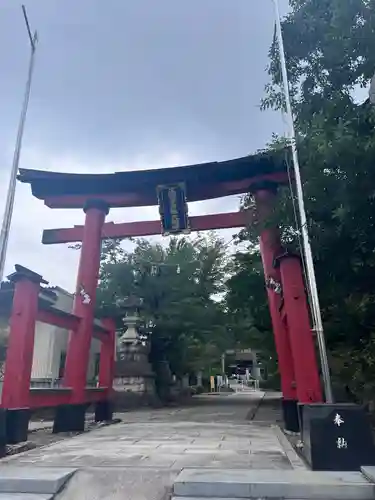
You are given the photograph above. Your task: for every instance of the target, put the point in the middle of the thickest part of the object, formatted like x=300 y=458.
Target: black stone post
x=337 y=437
x=3 y=432
x=70 y=418
x=17 y=425
x=104 y=411
x=290 y=415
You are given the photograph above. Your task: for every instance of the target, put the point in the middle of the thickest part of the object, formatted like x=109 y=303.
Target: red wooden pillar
x=107 y=356
x=71 y=418
x=270 y=248
x=300 y=334
x=16 y=387
x=104 y=408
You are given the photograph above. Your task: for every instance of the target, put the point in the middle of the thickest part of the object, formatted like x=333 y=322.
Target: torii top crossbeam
x=138 y=188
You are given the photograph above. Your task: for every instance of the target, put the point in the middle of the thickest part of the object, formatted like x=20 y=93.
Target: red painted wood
x=137 y=199
x=94 y=395
x=80 y=340
x=47 y=398
x=68 y=322
x=107 y=356
x=270 y=247
x=15 y=393
x=149 y=228
x=300 y=334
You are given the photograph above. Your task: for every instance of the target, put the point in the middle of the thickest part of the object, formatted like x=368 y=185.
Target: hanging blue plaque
x=173 y=209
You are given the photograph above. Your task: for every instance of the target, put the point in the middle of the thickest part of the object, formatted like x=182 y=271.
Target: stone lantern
x=134 y=381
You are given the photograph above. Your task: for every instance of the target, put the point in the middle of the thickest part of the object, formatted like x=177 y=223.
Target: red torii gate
x=260 y=174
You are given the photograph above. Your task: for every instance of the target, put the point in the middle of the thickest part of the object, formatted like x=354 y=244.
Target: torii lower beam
x=150 y=228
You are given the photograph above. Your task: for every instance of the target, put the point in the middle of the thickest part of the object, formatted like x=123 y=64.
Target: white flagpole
x=372 y=90
x=9 y=204
x=315 y=306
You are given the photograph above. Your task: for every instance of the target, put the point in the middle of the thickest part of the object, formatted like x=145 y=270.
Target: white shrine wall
x=51 y=343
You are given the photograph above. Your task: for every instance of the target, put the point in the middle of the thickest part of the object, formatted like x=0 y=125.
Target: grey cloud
x=129 y=84
x=145 y=74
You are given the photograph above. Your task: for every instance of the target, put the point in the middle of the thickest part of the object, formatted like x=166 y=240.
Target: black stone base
x=70 y=418
x=290 y=415
x=300 y=407
x=17 y=425
x=337 y=437
x=103 y=411
x=3 y=431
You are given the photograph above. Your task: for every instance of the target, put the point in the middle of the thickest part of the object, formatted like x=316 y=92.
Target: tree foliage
x=329 y=49
x=247 y=303
x=179 y=285
x=328 y=45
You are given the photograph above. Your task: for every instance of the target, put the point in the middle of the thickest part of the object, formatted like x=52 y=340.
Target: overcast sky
x=127 y=84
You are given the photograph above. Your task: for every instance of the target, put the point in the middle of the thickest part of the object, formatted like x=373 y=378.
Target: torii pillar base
x=70 y=418
x=17 y=424
x=290 y=415
x=104 y=411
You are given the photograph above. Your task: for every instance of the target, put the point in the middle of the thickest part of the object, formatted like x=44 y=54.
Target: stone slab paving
x=249 y=484
x=212 y=432
x=119 y=484
x=369 y=473
x=209 y=433
x=32 y=483
x=39 y=480
x=165 y=446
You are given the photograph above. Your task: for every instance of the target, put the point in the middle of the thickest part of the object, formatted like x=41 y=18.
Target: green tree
x=180 y=285
x=329 y=47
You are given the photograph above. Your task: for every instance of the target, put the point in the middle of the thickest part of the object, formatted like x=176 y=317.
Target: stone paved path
x=143 y=454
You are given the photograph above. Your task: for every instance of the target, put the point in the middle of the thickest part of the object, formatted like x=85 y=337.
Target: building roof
x=46 y=299
x=203 y=181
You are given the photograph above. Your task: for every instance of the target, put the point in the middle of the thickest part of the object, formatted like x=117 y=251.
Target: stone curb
x=295 y=460
x=272 y=484
x=36 y=480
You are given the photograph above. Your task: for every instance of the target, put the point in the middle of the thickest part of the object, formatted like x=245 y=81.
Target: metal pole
x=315 y=306
x=9 y=205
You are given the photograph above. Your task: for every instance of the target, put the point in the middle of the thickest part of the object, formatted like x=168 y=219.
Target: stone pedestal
x=134 y=382
x=337 y=437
